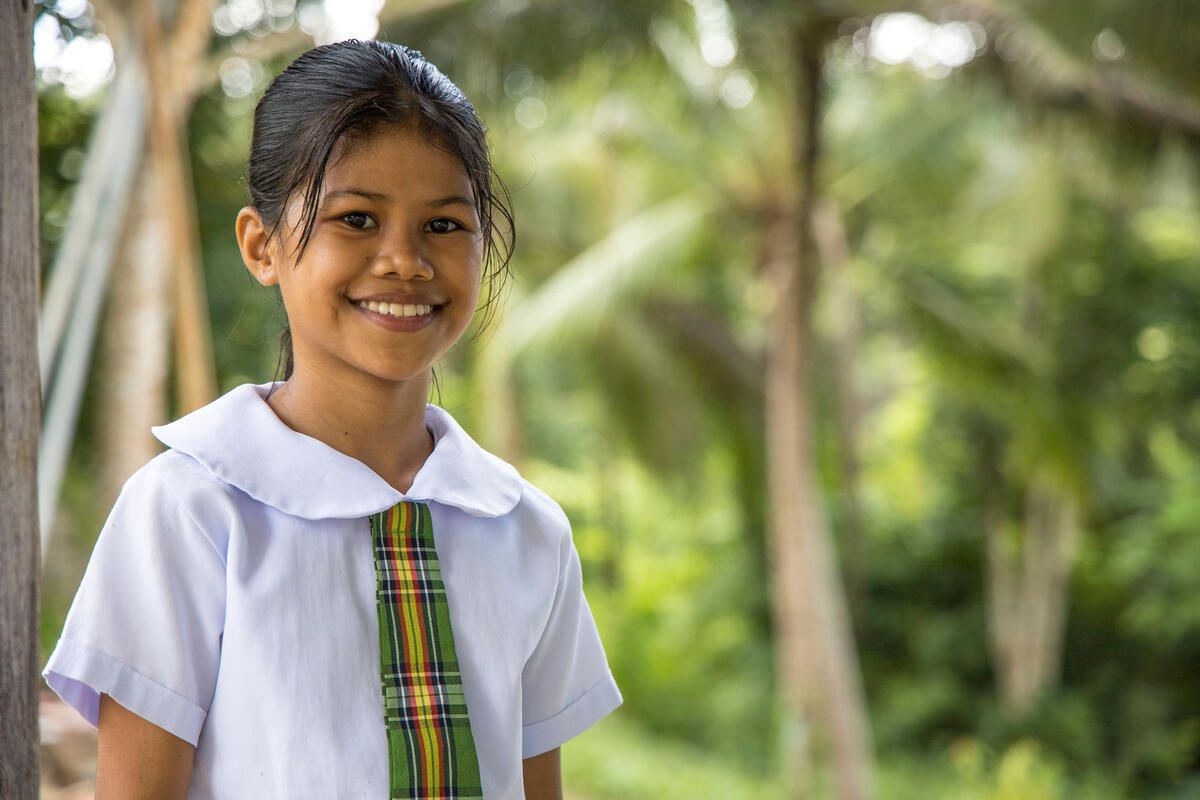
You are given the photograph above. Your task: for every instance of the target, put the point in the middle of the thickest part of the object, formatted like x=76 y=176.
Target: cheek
x=309 y=296
x=468 y=259
x=475 y=286
x=477 y=255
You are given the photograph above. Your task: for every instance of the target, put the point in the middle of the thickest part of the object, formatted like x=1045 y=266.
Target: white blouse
x=231 y=600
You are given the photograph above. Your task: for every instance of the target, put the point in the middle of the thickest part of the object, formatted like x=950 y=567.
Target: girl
x=325 y=588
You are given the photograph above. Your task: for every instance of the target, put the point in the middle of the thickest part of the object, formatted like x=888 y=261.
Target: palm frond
x=590 y=288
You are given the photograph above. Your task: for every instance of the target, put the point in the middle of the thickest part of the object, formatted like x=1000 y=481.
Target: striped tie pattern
x=431 y=752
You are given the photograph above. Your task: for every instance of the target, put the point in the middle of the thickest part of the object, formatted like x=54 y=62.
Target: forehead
x=395 y=157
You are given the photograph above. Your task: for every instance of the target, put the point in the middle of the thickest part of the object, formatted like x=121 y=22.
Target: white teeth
x=396 y=309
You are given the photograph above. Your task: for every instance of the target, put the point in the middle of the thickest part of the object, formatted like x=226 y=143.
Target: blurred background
x=858 y=340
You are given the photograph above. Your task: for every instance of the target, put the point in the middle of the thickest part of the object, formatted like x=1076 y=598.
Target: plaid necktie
x=431 y=753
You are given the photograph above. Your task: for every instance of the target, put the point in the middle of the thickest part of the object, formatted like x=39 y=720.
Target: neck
x=380 y=423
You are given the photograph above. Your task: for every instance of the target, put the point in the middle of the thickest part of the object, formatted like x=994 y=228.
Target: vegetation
x=1002 y=379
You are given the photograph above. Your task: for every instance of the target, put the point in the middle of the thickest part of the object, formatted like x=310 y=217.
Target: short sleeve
x=146 y=623
x=567 y=685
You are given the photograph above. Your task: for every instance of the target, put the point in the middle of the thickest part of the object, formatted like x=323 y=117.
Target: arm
x=543 y=777
x=137 y=759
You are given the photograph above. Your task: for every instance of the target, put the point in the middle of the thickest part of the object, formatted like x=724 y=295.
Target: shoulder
x=541 y=518
x=536 y=503
x=177 y=489
x=175 y=477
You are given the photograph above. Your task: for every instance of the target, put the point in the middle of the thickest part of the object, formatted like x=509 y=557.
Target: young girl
x=326 y=588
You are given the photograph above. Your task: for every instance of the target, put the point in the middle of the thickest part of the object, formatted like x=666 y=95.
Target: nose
x=402 y=253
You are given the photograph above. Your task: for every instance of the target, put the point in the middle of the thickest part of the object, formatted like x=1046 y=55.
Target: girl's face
x=396 y=227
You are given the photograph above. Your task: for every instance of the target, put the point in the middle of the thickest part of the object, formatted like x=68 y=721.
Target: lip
x=388 y=322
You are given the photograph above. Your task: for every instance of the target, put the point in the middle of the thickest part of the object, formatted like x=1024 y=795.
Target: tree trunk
x=157 y=294
x=795 y=639
x=844 y=334
x=136 y=337
x=170 y=104
x=20 y=407
x=815 y=654
x=1029 y=580
x=1028 y=587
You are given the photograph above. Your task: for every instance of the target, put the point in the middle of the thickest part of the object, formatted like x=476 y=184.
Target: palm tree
x=624 y=283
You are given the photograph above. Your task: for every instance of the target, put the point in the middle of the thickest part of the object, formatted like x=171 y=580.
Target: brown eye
x=444 y=225
x=357 y=219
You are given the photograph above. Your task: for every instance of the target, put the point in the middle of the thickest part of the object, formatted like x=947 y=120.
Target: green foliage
x=1021 y=774
x=246 y=317
x=617 y=760
x=666 y=578
x=1029 y=299
x=63 y=127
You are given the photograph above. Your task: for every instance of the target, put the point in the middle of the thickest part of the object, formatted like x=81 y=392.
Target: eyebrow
x=451 y=200
x=358 y=192
x=454 y=200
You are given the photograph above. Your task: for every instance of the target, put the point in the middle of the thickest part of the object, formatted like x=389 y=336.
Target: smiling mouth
x=398 y=310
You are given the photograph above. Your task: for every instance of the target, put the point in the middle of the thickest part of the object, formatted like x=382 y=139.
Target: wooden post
x=20 y=406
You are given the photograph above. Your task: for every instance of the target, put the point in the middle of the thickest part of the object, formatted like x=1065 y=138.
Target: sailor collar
x=241 y=441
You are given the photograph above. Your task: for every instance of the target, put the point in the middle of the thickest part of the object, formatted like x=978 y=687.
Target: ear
x=258 y=256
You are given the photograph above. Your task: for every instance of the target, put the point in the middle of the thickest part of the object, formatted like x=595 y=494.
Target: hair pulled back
x=344 y=91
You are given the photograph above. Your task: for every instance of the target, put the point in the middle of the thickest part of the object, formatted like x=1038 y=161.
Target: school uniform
x=233 y=598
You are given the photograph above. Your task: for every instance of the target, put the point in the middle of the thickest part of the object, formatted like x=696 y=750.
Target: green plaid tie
x=431 y=752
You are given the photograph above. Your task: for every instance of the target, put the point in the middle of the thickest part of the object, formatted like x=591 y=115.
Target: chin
x=397 y=373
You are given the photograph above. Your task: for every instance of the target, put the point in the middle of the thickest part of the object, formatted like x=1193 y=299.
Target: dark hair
x=347 y=90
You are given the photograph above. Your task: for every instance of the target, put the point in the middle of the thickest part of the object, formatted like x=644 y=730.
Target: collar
x=241 y=441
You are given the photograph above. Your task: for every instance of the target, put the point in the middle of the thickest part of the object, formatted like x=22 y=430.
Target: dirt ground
x=68 y=751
